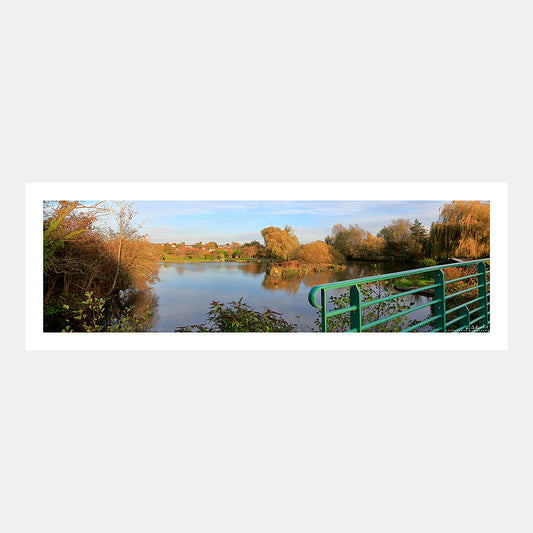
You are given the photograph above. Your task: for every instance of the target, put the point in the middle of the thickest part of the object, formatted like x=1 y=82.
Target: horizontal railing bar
x=396 y=315
x=421 y=306
x=423 y=323
x=480 y=317
x=459 y=279
x=477 y=309
x=382 y=277
x=462 y=292
x=341 y=311
x=457 y=319
x=460 y=328
x=464 y=305
x=398 y=295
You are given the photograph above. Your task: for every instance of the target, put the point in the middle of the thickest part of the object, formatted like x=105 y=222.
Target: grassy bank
x=407 y=284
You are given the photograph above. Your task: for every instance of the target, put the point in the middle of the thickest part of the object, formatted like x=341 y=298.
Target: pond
x=185 y=290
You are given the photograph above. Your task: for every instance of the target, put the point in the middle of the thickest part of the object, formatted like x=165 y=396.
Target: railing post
x=439 y=294
x=323 y=319
x=465 y=321
x=482 y=282
x=355 y=315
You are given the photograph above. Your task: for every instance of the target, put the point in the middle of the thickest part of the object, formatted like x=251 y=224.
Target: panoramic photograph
x=266 y=266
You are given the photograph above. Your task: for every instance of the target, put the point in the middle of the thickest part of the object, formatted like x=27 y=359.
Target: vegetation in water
x=291 y=269
x=239 y=317
x=417 y=281
x=412 y=283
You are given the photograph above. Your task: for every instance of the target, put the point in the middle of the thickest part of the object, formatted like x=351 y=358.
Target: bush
x=426 y=262
x=239 y=317
x=93 y=315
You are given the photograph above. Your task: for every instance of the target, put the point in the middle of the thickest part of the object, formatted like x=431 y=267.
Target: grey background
x=260 y=441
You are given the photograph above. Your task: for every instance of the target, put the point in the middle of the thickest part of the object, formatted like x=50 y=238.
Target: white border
x=495 y=192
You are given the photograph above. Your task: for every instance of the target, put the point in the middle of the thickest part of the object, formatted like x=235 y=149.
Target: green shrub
x=426 y=262
x=239 y=317
x=92 y=315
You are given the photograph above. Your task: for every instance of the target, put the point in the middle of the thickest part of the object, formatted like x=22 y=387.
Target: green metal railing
x=445 y=316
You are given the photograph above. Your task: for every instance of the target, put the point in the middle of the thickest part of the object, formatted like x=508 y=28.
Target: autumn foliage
x=315 y=252
x=91 y=248
x=280 y=243
x=463 y=230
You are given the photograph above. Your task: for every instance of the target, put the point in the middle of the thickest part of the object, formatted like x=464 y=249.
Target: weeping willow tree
x=280 y=243
x=463 y=230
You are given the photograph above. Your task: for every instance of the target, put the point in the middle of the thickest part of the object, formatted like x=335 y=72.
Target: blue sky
x=242 y=221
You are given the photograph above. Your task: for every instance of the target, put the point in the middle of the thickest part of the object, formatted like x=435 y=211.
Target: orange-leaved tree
x=463 y=230
x=280 y=243
x=315 y=252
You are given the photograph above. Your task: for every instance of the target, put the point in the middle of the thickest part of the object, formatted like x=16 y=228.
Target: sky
x=242 y=221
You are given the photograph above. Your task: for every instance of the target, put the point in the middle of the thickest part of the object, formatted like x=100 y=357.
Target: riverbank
x=210 y=260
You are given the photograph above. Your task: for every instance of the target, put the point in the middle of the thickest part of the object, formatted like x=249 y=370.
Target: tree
x=72 y=254
x=246 y=251
x=280 y=243
x=372 y=247
x=348 y=241
x=81 y=256
x=67 y=221
x=213 y=245
x=419 y=234
x=127 y=231
x=463 y=230
x=399 y=242
x=315 y=252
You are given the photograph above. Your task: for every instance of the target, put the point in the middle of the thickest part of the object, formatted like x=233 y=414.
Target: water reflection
x=180 y=270
x=292 y=286
x=143 y=304
x=252 y=268
x=319 y=278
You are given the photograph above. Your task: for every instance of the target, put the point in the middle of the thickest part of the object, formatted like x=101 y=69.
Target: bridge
x=458 y=300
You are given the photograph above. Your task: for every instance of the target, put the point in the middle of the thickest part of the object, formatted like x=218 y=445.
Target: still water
x=185 y=290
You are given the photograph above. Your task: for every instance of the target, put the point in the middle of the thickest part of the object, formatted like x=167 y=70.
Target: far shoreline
x=256 y=261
